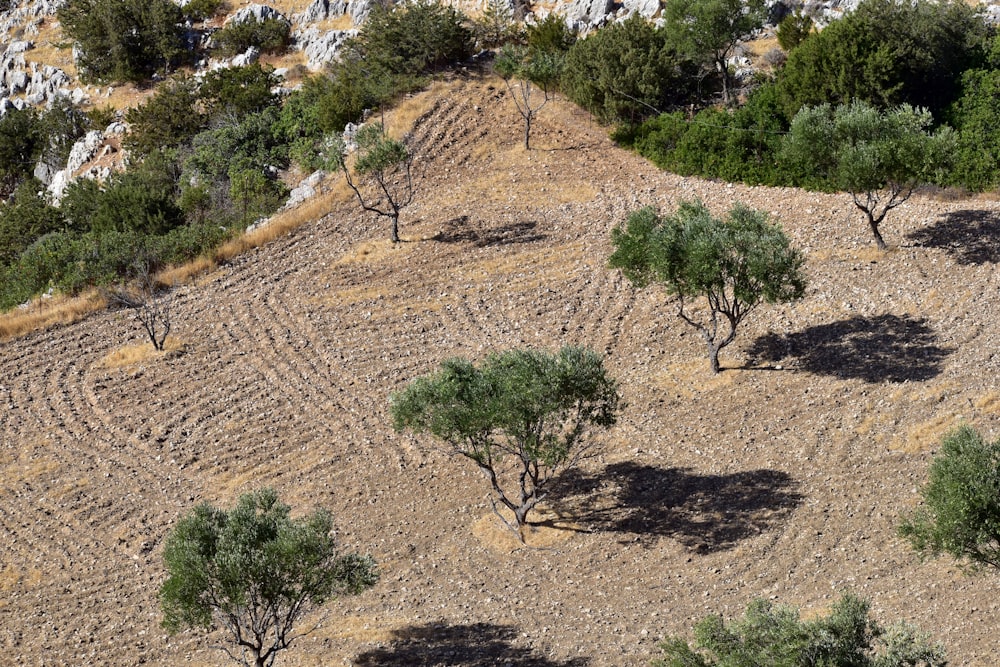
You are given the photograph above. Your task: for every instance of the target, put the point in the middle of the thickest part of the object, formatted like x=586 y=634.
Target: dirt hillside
x=782 y=477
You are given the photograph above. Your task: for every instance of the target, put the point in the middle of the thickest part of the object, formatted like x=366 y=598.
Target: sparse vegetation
x=770 y=634
x=521 y=415
x=255 y=573
x=960 y=515
x=734 y=264
x=878 y=157
x=383 y=183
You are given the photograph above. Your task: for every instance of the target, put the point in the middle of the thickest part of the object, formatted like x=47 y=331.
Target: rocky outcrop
x=320 y=47
x=259 y=12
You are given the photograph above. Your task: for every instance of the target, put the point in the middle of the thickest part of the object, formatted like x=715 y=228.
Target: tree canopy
x=878 y=157
x=709 y=30
x=520 y=416
x=255 y=572
x=734 y=264
x=960 y=515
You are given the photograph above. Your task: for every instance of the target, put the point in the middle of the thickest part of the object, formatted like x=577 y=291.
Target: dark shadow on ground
x=887 y=348
x=971 y=237
x=459 y=230
x=474 y=645
x=705 y=513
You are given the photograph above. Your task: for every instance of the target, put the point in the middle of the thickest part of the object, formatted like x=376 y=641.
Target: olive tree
x=775 y=635
x=734 y=264
x=254 y=572
x=879 y=157
x=961 y=511
x=382 y=180
x=526 y=75
x=521 y=417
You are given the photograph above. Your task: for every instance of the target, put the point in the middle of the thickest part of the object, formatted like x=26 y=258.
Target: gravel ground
x=782 y=477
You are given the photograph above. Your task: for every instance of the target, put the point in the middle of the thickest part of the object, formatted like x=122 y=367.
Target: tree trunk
x=527 y=131
x=394 y=231
x=873 y=224
x=713 y=357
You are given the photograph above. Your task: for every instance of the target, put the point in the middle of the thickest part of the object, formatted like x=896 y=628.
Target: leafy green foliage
x=550 y=35
x=124 y=40
x=734 y=145
x=167 y=120
x=61 y=124
x=200 y=10
x=793 y=29
x=255 y=572
x=414 y=38
x=529 y=407
x=234 y=92
x=887 y=53
x=961 y=511
x=21 y=142
x=24 y=217
x=627 y=72
x=735 y=264
x=878 y=157
x=975 y=116
x=774 y=635
x=707 y=31
x=269 y=35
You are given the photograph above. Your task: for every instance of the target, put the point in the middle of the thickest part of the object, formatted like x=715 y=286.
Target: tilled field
x=782 y=477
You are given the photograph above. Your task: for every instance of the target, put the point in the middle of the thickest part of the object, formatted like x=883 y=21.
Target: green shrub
x=124 y=40
x=793 y=29
x=21 y=142
x=975 y=116
x=887 y=53
x=269 y=35
x=25 y=217
x=414 y=38
x=167 y=120
x=550 y=35
x=626 y=72
x=235 y=92
x=200 y=10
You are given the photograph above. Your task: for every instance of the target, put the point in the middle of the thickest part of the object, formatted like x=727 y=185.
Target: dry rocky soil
x=782 y=477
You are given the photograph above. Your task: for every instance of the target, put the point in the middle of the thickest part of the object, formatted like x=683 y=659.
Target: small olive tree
x=734 y=264
x=148 y=301
x=520 y=416
x=526 y=75
x=879 y=157
x=383 y=182
x=961 y=511
x=254 y=572
x=770 y=634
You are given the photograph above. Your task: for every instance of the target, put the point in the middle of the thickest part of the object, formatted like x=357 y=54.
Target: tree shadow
x=473 y=645
x=459 y=230
x=705 y=513
x=887 y=348
x=971 y=237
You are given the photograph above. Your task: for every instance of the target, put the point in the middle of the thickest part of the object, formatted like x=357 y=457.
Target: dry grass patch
x=491 y=532
x=373 y=252
x=134 y=355
x=690 y=379
x=401 y=118
x=926 y=435
x=364 y=629
x=42 y=313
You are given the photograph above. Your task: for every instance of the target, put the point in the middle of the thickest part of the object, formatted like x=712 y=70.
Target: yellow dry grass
x=493 y=534
x=926 y=435
x=185 y=273
x=689 y=379
x=134 y=355
x=401 y=118
x=42 y=313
